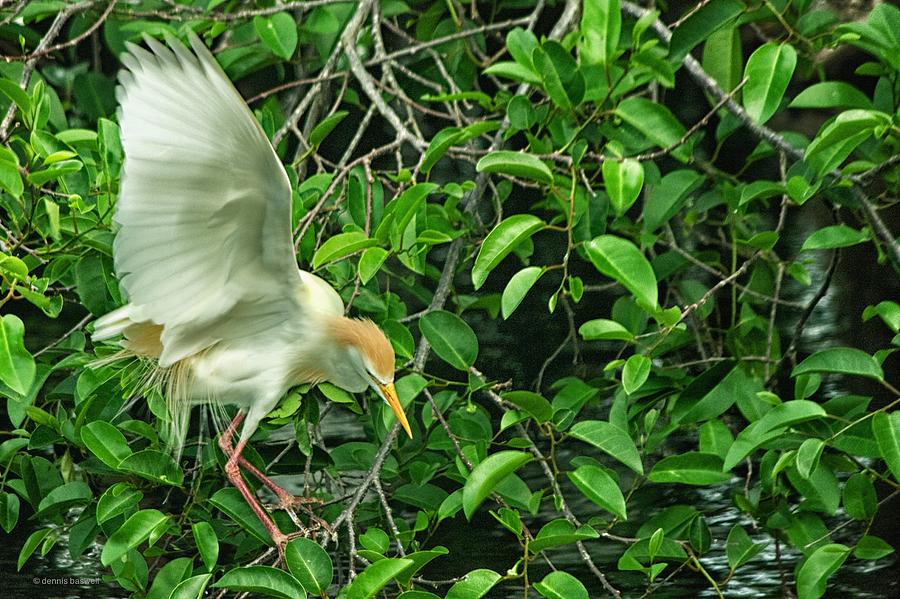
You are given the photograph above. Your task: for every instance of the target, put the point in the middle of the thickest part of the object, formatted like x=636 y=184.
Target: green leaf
x=740 y=548
x=656 y=122
x=278 y=33
x=502 y=240
x=831 y=94
x=521 y=45
x=600 y=487
x=886 y=428
x=624 y=180
x=700 y=25
x=871 y=547
x=808 y=456
x=487 y=474
x=558 y=533
x=207 y=543
x=191 y=588
x=603 y=329
x=474 y=585
x=326 y=126
x=54 y=171
x=860 y=499
x=64 y=497
x=232 y=503
x=771 y=425
x=31 y=544
x=420 y=559
x=837 y=139
x=370 y=263
x=561 y=77
x=723 y=58
x=690 y=468
x=261 y=580
x=840 y=360
x=835 y=236
x=310 y=564
x=17 y=368
x=106 y=442
x=561 y=585
x=169 y=577
x=635 y=372
x=768 y=72
x=820 y=489
x=812 y=577
x=375 y=576
x=132 y=533
x=517 y=288
x=451 y=338
x=341 y=246
x=888 y=311
x=515 y=164
x=14 y=92
x=601 y=26
x=153 y=465
x=514 y=71
x=538 y=407
x=10 y=178
x=9 y=511
x=621 y=260
x=116 y=500
x=610 y=439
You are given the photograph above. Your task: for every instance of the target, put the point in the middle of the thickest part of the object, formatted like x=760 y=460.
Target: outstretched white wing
x=204 y=246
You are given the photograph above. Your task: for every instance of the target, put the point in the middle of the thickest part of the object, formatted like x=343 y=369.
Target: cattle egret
x=218 y=308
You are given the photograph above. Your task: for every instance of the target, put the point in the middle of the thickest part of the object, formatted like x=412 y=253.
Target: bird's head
x=367 y=361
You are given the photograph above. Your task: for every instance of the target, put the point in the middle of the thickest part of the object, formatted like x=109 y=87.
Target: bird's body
x=204 y=252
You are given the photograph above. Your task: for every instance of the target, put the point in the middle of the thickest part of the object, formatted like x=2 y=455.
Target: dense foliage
x=598 y=168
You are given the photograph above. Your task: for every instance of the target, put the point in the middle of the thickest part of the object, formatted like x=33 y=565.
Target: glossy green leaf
x=601 y=25
x=831 y=94
x=840 y=360
x=812 y=577
x=261 y=580
x=310 y=564
x=515 y=164
x=154 y=465
x=859 y=497
x=17 y=368
x=451 y=338
x=621 y=260
x=191 y=588
x=420 y=559
x=370 y=263
x=169 y=577
x=835 y=236
x=623 y=180
x=740 y=548
x=341 y=246
x=600 y=487
x=690 y=468
x=610 y=439
x=837 y=139
x=9 y=511
x=375 y=577
x=474 y=585
x=723 y=58
x=538 y=407
x=64 y=497
x=487 y=475
x=808 y=456
x=870 y=547
x=560 y=75
x=559 y=533
x=232 y=503
x=502 y=240
x=518 y=287
x=561 y=585
x=132 y=533
x=635 y=372
x=116 y=500
x=769 y=426
x=278 y=33
x=701 y=24
x=207 y=543
x=656 y=122
x=326 y=126
x=886 y=428
x=603 y=329
x=30 y=546
x=768 y=72
x=106 y=442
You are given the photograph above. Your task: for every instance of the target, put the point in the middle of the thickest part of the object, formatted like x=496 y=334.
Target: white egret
x=204 y=254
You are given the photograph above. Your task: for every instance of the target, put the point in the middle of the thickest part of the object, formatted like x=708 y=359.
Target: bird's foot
x=281 y=540
x=290 y=503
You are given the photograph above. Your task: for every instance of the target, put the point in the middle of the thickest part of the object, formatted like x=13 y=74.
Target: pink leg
x=232 y=470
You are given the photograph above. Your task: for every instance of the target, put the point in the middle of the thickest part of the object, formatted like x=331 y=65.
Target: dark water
x=515 y=350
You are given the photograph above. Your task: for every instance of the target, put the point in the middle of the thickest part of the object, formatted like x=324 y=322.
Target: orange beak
x=390 y=396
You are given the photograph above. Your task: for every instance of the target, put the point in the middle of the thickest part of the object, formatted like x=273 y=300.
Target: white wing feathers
x=204 y=246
